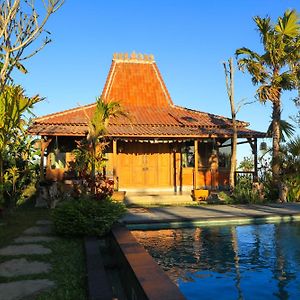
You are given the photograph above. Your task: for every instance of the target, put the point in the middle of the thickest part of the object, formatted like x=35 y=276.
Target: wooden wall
x=151 y=165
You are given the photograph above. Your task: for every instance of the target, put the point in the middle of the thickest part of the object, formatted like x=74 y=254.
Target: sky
x=189 y=40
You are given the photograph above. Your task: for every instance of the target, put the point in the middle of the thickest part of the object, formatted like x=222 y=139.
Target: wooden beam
x=115 y=157
x=196 y=163
x=229 y=145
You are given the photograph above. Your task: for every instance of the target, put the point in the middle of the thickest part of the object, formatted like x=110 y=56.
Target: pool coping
x=181 y=222
x=155 y=283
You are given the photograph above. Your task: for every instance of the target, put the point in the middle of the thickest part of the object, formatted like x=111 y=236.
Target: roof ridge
x=64 y=112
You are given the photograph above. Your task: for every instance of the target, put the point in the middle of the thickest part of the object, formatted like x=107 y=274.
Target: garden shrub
x=293 y=185
x=243 y=192
x=226 y=197
x=86 y=216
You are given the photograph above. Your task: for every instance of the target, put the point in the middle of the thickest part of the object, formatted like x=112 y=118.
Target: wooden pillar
x=174 y=171
x=255 y=159
x=196 y=163
x=115 y=157
x=44 y=145
x=180 y=174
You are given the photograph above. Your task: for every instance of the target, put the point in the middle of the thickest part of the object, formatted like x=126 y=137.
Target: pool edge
x=172 y=224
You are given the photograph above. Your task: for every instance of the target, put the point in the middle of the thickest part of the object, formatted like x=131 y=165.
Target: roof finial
x=133 y=55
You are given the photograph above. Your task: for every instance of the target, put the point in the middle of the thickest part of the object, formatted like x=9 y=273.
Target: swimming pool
x=229 y=262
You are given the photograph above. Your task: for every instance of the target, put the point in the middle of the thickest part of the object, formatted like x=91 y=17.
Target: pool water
x=229 y=262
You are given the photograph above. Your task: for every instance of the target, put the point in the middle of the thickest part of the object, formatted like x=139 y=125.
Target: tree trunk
x=229 y=75
x=276 y=116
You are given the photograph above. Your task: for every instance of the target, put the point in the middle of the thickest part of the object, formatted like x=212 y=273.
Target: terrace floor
x=210 y=214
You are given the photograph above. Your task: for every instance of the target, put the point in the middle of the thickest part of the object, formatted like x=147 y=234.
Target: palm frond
x=247 y=52
x=289 y=24
x=264 y=27
x=287 y=81
x=286 y=130
x=267 y=92
x=294 y=146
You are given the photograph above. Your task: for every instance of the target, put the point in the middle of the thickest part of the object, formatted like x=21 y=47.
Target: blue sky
x=189 y=39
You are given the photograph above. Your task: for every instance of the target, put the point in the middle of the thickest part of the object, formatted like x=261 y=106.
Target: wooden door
x=144 y=165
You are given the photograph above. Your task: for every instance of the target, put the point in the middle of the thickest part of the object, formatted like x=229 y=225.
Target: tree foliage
x=21 y=25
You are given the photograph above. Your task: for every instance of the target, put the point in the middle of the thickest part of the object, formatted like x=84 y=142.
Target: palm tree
x=276 y=70
x=98 y=124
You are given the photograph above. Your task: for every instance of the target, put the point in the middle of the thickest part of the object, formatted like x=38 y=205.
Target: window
x=188 y=153
x=225 y=155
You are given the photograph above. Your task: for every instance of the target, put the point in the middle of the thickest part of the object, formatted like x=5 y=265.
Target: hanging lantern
x=263 y=146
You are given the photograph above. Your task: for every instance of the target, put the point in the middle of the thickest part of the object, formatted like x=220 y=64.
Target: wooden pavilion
x=161 y=147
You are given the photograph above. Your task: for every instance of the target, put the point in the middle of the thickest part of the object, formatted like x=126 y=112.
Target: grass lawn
x=67 y=257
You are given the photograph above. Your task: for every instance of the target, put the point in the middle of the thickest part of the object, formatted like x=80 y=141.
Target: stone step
x=21 y=266
x=24 y=288
x=38 y=230
x=159 y=199
x=28 y=249
x=33 y=239
x=44 y=222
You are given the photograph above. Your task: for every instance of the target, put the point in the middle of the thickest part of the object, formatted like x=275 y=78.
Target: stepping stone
x=33 y=239
x=38 y=230
x=44 y=222
x=28 y=249
x=21 y=266
x=24 y=288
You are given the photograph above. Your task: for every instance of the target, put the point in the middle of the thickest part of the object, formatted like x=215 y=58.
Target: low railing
x=249 y=175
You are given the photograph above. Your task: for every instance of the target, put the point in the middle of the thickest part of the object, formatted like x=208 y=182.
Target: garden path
x=20 y=261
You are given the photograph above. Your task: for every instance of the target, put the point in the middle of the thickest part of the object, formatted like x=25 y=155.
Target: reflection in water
x=235 y=262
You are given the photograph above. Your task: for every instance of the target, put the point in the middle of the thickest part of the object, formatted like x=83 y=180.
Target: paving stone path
x=23 y=246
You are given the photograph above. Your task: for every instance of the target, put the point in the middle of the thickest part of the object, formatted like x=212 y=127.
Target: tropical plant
x=20 y=168
x=244 y=192
x=97 y=127
x=13 y=107
x=276 y=70
x=290 y=160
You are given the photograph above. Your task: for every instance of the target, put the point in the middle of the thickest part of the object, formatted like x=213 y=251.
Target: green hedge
x=86 y=217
